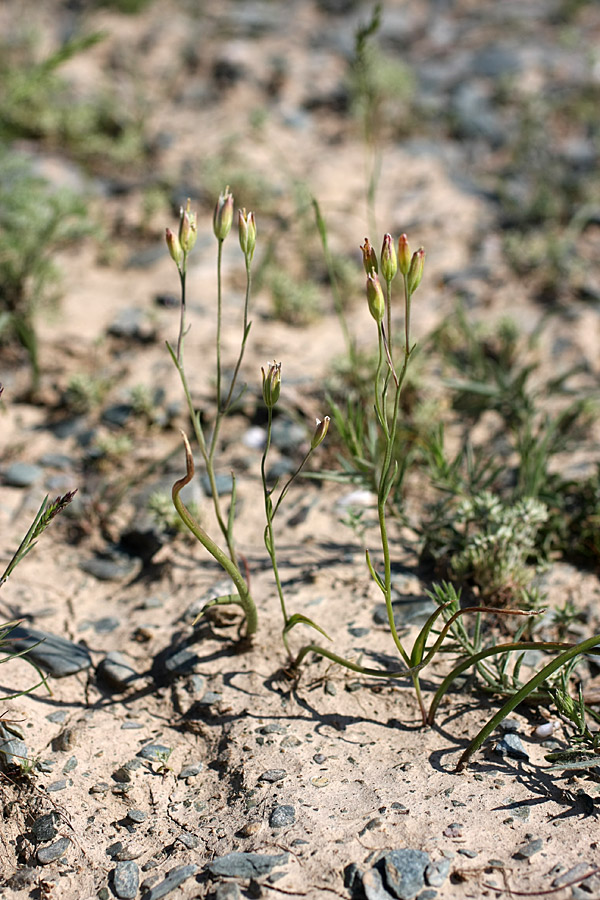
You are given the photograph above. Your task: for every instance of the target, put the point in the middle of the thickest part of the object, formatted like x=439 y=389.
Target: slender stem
x=270 y=514
x=244 y=337
x=219 y=316
x=245 y=601
x=182 y=272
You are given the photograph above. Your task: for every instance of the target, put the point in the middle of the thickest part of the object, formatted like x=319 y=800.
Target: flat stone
x=273 y=775
x=155 y=752
x=52 y=852
x=572 y=874
x=282 y=815
x=191 y=770
x=57 y=655
x=126 y=880
x=511 y=745
x=246 y=865
x=137 y=816
x=173 y=880
x=116 y=671
x=530 y=849
x=404 y=872
x=57 y=786
x=182 y=662
x=21 y=474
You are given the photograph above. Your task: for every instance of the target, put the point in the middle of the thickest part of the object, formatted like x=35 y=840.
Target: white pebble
x=545 y=730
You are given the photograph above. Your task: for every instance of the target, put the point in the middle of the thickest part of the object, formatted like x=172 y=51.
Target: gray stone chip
x=173 y=880
x=57 y=655
x=126 y=880
x=52 y=852
x=246 y=865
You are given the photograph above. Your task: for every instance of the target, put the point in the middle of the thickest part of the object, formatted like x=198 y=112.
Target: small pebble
x=191 y=770
x=545 y=730
x=137 y=816
x=511 y=745
x=116 y=672
x=126 y=880
x=52 y=852
x=191 y=841
x=282 y=815
x=227 y=891
x=44 y=827
x=155 y=752
x=530 y=849
x=57 y=786
x=273 y=775
x=70 y=765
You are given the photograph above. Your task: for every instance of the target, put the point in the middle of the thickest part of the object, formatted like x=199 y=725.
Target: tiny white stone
x=545 y=730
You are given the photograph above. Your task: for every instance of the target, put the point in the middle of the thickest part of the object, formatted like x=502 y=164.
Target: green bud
x=271 y=384
x=403 y=254
x=223 y=215
x=369 y=257
x=415 y=272
x=247 y=232
x=320 y=432
x=375 y=297
x=174 y=247
x=389 y=261
x=188 y=231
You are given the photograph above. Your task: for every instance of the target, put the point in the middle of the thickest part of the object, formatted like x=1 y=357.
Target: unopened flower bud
x=174 y=247
x=403 y=254
x=375 y=297
x=389 y=261
x=247 y=232
x=320 y=432
x=415 y=272
x=369 y=257
x=271 y=384
x=188 y=230
x=223 y=215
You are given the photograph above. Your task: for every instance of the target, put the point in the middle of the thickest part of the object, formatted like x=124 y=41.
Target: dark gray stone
x=529 y=849
x=246 y=865
x=126 y=879
x=404 y=872
x=409 y=609
x=509 y=726
x=572 y=874
x=155 y=752
x=52 y=852
x=116 y=671
x=57 y=786
x=282 y=815
x=437 y=872
x=44 y=827
x=273 y=775
x=22 y=475
x=106 y=624
x=70 y=765
x=511 y=745
x=57 y=655
x=173 y=880
x=191 y=770
x=182 y=662
x=191 y=841
x=272 y=728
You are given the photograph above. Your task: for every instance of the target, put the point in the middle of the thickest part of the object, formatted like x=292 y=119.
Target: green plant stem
x=269 y=536
x=388 y=306
x=354 y=667
x=245 y=334
x=245 y=599
x=219 y=317
x=207 y=455
x=533 y=684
